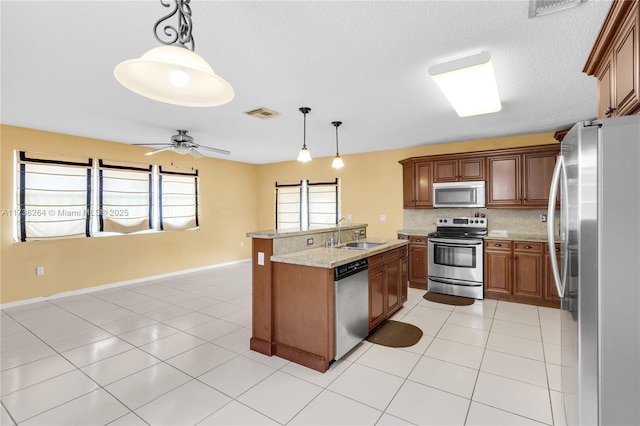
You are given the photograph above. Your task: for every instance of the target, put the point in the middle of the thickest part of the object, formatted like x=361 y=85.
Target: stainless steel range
x=456 y=259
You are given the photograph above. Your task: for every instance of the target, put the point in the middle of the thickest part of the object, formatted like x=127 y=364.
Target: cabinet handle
x=497 y=245
x=528 y=247
x=609 y=111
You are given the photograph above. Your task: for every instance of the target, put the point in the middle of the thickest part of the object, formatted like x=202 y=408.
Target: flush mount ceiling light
x=337 y=161
x=469 y=84
x=174 y=73
x=304 y=156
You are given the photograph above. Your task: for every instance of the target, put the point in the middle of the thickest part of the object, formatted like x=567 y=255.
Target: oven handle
x=454 y=242
x=456 y=282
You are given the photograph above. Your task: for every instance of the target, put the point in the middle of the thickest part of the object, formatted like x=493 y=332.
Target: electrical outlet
x=543 y=218
x=362 y=232
x=241 y=244
x=40 y=270
x=309 y=241
x=383 y=218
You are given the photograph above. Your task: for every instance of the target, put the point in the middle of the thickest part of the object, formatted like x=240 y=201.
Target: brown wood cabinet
x=387 y=284
x=550 y=291
x=515 y=271
x=417 y=184
x=615 y=61
x=455 y=170
x=515 y=177
x=521 y=178
x=418 y=262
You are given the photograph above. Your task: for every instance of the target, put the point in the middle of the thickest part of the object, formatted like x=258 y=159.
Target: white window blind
x=53 y=196
x=125 y=197
x=288 y=206
x=307 y=204
x=178 y=199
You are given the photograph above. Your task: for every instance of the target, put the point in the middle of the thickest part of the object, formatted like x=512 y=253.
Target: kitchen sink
x=360 y=245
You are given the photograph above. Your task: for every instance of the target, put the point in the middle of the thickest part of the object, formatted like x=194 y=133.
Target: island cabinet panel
x=515 y=271
x=261 y=309
x=303 y=314
x=387 y=284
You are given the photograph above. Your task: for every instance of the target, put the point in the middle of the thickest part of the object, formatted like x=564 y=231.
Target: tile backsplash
x=514 y=221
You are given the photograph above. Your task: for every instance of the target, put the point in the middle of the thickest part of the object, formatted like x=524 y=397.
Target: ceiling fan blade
x=195 y=153
x=152 y=144
x=159 y=150
x=219 y=151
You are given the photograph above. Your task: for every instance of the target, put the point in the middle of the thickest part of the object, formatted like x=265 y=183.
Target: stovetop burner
x=460 y=227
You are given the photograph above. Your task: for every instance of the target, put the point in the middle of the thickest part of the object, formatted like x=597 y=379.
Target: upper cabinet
x=615 y=60
x=522 y=177
x=515 y=178
x=454 y=170
x=417 y=183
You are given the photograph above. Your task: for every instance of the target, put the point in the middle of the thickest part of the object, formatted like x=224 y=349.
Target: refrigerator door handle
x=558 y=172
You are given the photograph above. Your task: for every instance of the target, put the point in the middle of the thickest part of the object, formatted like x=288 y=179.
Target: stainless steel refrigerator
x=598 y=279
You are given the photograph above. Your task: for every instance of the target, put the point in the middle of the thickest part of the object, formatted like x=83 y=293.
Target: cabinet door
x=538 y=171
x=423 y=184
x=605 y=92
x=408 y=186
x=626 y=68
x=497 y=272
x=527 y=270
x=472 y=169
x=404 y=285
x=504 y=181
x=393 y=278
x=418 y=262
x=550 y=291
x=376 y=296
x=445 y=171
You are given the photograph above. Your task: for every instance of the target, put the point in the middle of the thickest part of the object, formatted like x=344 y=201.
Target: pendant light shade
x=337 y=161
x=304 y=156
x=174 y=73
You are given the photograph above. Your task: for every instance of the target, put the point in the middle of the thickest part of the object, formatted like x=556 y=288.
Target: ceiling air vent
x=544 y=7
x=262 y=113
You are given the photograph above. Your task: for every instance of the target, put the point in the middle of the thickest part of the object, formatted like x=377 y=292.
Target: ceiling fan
x=182 y=143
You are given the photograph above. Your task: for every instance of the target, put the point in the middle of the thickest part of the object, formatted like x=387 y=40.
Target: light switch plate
x=260 y=258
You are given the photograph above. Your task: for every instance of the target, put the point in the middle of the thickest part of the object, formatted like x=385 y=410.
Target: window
x=178 y=199
x=125 y=197
x=53 y=196
x=307 y=204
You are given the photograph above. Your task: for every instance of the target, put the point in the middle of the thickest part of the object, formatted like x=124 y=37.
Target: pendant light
x=304 y=156
x=337 y=161
x=174 y=73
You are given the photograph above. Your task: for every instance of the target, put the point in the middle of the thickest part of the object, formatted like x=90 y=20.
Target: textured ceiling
x=360 y=62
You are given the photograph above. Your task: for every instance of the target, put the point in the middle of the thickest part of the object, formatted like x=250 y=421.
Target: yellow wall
x=228 y=209
x=235 y=198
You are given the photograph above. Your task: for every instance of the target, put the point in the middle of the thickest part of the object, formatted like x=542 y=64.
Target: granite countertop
x=330 y=257
x=501 y=236
x=271 y=234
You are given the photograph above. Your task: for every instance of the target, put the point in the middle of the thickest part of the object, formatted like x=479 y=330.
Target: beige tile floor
x=175 y=351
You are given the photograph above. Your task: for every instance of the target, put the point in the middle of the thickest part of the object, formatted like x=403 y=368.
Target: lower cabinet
x=518 y=271
x=418 y=260
x=388 y=274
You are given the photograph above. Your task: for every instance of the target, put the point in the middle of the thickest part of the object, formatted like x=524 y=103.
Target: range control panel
x=462 y=222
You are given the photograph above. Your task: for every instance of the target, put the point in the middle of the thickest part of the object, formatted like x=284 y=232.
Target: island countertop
x=330 y=257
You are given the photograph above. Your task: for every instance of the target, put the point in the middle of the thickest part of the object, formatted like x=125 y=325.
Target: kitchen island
x=293 y=295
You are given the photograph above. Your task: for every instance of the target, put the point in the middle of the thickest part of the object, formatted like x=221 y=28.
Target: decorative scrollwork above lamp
x=174 y=73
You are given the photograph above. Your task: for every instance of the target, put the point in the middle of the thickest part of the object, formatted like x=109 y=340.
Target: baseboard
x=117 y=284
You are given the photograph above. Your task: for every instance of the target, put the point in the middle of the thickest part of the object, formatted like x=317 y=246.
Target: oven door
x=456 y=259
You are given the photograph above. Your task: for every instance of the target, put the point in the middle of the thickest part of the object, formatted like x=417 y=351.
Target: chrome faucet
x=340 y=228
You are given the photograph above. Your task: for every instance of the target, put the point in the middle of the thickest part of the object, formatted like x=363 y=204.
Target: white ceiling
x=364 y=63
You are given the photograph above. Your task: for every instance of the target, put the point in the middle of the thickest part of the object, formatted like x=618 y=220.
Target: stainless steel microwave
x=459 y=194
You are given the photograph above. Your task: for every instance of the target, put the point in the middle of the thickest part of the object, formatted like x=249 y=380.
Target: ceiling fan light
x=469 y=84
x=304 y=156
x=174 y=75
x=337 y=162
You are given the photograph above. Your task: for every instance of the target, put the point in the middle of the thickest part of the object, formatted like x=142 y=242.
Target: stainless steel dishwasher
x=351 y=290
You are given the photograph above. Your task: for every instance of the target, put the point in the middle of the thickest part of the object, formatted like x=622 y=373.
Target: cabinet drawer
x=402 y=251
x=498 y=245
x=391 y=255
x=375 y=261
x=546 y=248
x=528 y=246
x=418 y=240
